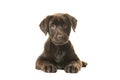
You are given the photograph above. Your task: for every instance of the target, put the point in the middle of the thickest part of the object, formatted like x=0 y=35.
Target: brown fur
x=58 y=51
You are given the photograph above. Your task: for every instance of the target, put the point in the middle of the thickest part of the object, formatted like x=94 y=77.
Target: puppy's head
x=58 y=26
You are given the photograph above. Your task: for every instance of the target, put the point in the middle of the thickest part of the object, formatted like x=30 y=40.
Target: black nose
x=60 y=37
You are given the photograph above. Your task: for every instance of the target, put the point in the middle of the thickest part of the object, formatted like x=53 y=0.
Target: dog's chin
x=59 y=42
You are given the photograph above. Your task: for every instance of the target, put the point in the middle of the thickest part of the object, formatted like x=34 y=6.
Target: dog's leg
x=45 y=66
x=75 y=66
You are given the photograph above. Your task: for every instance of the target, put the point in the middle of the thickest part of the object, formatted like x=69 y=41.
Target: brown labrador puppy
x=58 y=51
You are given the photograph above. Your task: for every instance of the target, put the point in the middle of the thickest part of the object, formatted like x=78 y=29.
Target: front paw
x=73 y=67
x=50 y=68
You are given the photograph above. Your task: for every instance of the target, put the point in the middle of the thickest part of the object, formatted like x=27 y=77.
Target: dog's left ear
x=44 y=24
x=73 y=21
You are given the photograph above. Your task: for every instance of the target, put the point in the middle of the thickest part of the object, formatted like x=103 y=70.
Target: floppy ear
x=73 y=21
x=44 y=24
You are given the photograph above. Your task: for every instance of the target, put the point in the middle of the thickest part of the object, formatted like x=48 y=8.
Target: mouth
x=59 y=42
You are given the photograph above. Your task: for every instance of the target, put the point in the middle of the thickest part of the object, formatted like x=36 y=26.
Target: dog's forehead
x=59 y=19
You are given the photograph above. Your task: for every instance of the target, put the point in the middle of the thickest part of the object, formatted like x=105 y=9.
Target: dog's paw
x=73 y=68
x=50 y=68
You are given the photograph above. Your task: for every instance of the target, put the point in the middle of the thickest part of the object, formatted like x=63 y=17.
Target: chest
x=59 y=56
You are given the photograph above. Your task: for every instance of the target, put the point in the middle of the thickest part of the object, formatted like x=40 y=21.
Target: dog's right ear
x=44 y=24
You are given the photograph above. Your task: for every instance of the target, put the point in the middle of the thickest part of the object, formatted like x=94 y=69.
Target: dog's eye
x=53 y=26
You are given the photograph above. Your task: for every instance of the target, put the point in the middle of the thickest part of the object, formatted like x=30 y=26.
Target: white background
x=96 y=40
